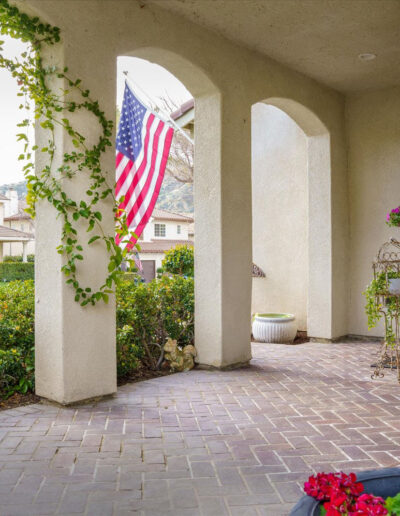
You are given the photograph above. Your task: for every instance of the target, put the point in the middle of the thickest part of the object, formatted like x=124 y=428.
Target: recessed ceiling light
x=367 y=57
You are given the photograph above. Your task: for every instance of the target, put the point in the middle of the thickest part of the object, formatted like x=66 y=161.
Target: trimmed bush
x=17 y=305
x=13 y=259
x=157 y=310
x=129 y=353
x=179 y=260
x=16 y=337
x=131 y=276
x=16 y=271
x=17 y=371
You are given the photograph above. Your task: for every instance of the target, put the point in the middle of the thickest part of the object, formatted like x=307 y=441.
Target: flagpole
x=136 y=86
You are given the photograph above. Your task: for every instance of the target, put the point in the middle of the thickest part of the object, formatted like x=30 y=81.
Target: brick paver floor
x=204 y=442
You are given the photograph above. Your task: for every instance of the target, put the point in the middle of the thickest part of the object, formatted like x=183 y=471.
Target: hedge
x=16 y=271
x=147 y=313
x=18 y=258
x=16 y=337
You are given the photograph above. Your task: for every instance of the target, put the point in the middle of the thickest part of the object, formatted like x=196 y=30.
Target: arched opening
x=292 y=244
x=206 y=199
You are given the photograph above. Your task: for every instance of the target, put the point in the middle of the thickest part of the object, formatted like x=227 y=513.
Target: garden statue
x=179 y=359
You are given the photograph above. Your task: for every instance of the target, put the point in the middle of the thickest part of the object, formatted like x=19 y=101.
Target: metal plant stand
x=386 y=266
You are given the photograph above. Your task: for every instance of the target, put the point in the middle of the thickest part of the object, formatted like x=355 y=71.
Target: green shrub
x=17 y=305
x=16 y=371
x=157 y=310
x=174 y=298
x=16 y=271
x=12 y=259
x=131 y=276
x=18 y=259
x=128 y=353
x=179 y=260
x=374 y=294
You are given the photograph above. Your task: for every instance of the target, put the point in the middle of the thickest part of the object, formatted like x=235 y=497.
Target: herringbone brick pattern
x=204 y=443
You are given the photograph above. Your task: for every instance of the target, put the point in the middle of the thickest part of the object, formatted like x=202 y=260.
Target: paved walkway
x=204 y=443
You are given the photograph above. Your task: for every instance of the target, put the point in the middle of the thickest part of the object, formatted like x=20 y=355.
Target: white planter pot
x=275 y=328
x=394 y=285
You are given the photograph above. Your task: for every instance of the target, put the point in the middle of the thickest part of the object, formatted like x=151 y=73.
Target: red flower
x=323 y=486
x=342 y=495
x=331 y=511
x=369 y=505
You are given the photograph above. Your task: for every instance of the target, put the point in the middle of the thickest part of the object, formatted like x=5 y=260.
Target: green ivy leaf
x=93 y=239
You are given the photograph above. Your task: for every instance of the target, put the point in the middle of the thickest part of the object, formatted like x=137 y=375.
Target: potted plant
x=375 y=292
x=274 y=327
x=393 y=220
x=375 y=493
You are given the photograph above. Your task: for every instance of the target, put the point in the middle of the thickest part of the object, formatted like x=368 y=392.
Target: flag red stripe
x=139 y=174
x=124 y=174
x=118 y=159
x=142 y=166
x=142 y=195
x=146 y=216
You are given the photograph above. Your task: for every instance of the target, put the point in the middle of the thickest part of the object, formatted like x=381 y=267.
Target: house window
x=22 y=227
x=159 y=230
x=178 y=229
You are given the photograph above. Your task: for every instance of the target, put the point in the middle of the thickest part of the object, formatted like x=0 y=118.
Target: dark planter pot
x=379 y=482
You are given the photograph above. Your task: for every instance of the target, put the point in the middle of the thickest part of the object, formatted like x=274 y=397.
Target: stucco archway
x=206 y=185
x=314 y=155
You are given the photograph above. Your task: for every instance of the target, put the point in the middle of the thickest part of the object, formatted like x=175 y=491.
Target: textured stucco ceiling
x=321 y=38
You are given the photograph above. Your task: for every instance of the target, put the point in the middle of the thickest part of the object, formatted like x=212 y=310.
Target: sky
x=153 y=79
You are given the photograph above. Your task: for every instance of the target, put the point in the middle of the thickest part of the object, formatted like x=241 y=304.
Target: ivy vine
x=51 y=109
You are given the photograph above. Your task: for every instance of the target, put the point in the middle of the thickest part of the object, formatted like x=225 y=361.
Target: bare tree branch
x=181 y=160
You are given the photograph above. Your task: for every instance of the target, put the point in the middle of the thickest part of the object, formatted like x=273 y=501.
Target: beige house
x=164 y=231
x=324 y=74
x=17 y=218
x=12 y=238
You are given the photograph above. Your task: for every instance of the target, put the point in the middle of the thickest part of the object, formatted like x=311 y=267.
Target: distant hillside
x=174 y=196
x=20 y=187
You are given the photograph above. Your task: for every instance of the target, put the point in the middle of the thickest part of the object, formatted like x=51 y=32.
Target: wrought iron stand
x=386 y=266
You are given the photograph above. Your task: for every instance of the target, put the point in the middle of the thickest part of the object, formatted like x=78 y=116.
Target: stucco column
x=1 y=251
x=24 y=251
x=75 y=346
x=319 y=238
x=222 y=231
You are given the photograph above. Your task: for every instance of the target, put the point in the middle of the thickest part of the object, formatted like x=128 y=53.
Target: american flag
x=143 y=145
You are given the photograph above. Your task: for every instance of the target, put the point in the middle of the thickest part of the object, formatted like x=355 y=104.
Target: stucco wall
x=280 y=213
x=374 y=182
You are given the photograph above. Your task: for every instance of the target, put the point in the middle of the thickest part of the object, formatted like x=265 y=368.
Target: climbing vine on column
x=52 y=109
